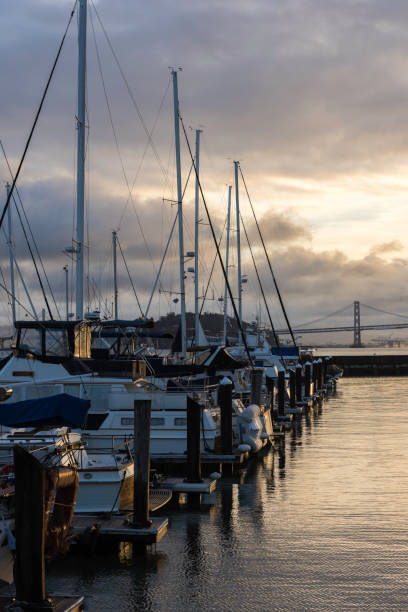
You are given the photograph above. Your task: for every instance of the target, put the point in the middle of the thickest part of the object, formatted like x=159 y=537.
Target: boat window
x=154 y=422
x=180 y=422
x=56 y=343
x=31 y=340
x=157 y=422
x=127 y=421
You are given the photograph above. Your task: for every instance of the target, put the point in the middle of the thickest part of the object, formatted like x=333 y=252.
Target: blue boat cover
x=285 y=351
x=61 y=410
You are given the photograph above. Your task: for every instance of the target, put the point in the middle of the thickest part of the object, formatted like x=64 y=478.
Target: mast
x=10 y=249
x=196 y=238
x=65 y=268
x=180 y=214
x=226 y=263
x=80 y=161
x=236 y=164
x=115 y=278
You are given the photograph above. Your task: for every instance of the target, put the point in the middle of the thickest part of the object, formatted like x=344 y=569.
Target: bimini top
x=61 y=410
x=285 y=351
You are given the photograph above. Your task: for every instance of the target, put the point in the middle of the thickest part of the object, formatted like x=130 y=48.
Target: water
x=321 y=526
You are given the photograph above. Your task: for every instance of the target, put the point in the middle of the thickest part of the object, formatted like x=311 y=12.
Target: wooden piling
x=325 y=366
x=256 y=385
x=281 y=392
x=30 y=499
x=315 y=375
x=193 y=441
x=319 y=375
x=270 y=386
x=225 y=404
x=141 y=453
x=299 y=381
x=308 y=379
x=292 y=388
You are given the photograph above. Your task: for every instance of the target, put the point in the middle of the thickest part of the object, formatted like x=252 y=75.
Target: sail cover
x=61 y=410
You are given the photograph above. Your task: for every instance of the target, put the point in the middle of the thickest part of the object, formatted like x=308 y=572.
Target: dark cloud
x=304 y=92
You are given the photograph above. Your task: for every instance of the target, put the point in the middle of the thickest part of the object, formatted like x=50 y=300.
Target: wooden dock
x=60 y=603
x=180 y=485
x=119 y=528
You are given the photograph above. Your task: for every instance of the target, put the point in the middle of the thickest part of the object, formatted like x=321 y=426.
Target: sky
x=309 y=95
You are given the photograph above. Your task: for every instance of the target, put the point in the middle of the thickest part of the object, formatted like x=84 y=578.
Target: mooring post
x=299 y=381
x=308 y=377
x=256 y=385
x=30 y=499
x=141 y=454
x=270 y=387
x=320 y=374
x=281 y=392
x=193 y=441
x=325 y=365
x=292 y=388
x=225 y=404
x=314 y=375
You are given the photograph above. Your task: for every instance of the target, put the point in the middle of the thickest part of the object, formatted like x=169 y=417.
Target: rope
x=269 y=261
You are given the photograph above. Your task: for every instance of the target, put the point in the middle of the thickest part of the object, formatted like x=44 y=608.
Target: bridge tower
x=357 y=331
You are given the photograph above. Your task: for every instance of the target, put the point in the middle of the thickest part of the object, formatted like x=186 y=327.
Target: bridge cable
x=331 y=314
x=268 y=260
x=395 y=314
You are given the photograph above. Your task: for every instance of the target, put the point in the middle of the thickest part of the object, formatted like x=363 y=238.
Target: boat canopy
x=61 y=410
x=54 y=341
x=285 y=351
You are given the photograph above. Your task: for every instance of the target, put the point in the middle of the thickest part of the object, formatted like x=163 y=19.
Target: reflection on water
x=318 y=525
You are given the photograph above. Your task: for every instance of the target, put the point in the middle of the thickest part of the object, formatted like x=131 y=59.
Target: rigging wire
x=36 y=118
x=115 y=57
x=130 y=278
x=33 y=260
x=212 y=270
x=239 y=323
x=30 y=230
x=268 y=260
x=262 y=291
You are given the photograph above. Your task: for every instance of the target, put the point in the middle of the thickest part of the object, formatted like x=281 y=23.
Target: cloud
x=310 y=95
x=387 y=247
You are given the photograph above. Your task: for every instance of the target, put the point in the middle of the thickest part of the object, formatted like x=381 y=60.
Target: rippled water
x=319 y=526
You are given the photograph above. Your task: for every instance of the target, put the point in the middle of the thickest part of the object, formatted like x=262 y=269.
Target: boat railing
x=117 y=446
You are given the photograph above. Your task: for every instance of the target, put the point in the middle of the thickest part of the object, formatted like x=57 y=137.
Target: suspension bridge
x=356 y=327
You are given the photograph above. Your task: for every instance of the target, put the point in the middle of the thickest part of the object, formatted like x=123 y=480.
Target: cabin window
x=157 y=422
x=56 y=343
x=31 y=341
x=126 y=421
x=180 y=422
x=154 y=422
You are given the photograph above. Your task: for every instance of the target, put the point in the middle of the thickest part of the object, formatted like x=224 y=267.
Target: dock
x=119 y=528
x=60 y=603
